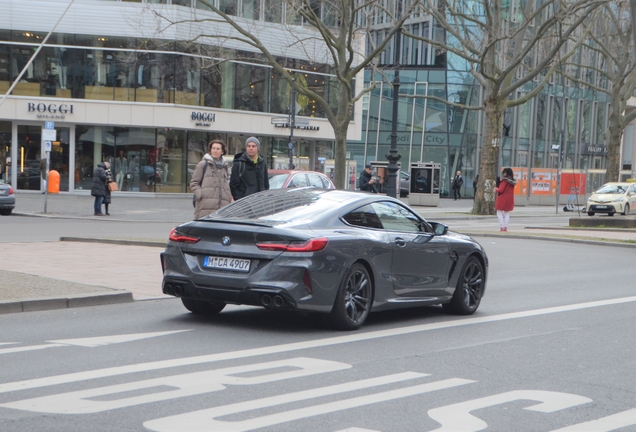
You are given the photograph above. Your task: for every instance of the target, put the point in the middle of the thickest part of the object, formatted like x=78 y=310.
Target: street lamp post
x=292 y=124
x=393 y=156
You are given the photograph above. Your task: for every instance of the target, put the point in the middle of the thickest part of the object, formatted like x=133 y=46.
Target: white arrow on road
x=89 y=342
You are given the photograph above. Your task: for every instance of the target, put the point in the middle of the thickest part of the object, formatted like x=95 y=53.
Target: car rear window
x=278 y=205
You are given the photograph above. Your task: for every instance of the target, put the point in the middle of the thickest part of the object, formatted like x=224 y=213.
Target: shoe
x=505 y=229
x=107 y=214
x=99 y=214
x=502 y=229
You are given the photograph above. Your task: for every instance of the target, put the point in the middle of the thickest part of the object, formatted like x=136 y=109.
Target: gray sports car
x=334 y=252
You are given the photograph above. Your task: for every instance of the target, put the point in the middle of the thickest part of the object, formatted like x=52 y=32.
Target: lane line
x=296 y=346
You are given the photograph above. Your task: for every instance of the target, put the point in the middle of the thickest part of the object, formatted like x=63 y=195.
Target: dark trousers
x=456 y=194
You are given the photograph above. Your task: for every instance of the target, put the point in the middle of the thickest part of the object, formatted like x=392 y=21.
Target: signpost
x=49 y=134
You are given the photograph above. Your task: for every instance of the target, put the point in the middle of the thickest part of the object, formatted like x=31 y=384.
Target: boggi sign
x=50 y=111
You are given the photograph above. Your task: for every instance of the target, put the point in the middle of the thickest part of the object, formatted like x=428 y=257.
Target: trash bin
x=424 y=190
x=54 y=182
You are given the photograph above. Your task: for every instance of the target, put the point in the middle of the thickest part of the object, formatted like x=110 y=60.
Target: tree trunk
x=484 y=203
x=614 y=134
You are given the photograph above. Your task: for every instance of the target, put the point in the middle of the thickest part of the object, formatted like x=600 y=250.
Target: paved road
x=117 y=259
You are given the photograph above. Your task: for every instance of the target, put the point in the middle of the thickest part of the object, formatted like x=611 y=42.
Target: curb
x=42 y=304
x=588 y=241
x=115 y=241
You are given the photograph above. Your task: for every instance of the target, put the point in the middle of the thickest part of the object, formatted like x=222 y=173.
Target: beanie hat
x=255 y=141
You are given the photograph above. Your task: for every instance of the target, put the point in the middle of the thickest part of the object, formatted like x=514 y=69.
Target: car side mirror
x=439 y=228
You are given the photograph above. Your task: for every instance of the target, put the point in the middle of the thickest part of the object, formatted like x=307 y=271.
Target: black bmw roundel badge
x=225 y=241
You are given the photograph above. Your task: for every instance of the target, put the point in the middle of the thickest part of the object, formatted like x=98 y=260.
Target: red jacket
x=505 y=196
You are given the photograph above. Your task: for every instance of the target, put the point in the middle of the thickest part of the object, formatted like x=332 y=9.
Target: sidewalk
x=36 y=276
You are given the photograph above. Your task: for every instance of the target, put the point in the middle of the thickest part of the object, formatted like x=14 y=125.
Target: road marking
x=457 y=417
x=28 y=348
x=604 y=424
x=206 y=420
x=89 y=342
x=176 y=386
x=114 y=339
x=296 y=346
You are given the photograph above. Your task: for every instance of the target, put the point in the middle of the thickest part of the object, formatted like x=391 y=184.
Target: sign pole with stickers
x=49 y=134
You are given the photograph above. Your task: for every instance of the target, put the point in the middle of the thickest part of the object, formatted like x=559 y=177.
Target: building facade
x=118 y=90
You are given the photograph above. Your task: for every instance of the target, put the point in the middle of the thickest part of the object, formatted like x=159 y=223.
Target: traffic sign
x=47 y=146
x=49 y=134
x=49 y=125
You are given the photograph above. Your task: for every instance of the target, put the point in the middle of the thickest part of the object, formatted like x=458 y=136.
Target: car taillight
x=10 y=191
x=311 y=245
x=176 y=236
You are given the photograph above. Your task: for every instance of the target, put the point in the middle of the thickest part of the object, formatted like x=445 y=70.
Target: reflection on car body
x=338 y=253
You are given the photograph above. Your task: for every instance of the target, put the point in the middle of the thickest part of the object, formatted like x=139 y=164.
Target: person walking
x=109 y=179
x=210 y=181
x=367 y=183
x=475 y=183
x=43 y=166
x=505 y=201
x=249 y=171
x=98 y=189
x=456 y=185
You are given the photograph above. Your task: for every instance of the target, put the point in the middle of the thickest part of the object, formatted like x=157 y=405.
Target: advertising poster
x=574 y=183
x=544 y=182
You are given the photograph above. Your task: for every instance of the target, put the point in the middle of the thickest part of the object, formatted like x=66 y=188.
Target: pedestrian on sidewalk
x=43 y=173
x=505 y=201
x=475 y=182
x=109 y=180
x=456 y=185
x=98 y=189
x=367 y=182
x=249 y=171
x=210 y=181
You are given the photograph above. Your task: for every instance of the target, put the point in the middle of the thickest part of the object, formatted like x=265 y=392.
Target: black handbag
x=194 y=196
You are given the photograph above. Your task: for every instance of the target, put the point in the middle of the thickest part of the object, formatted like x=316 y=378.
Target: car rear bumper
x=605 y=208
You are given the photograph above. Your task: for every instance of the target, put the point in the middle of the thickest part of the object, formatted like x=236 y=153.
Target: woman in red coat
x=505 y=201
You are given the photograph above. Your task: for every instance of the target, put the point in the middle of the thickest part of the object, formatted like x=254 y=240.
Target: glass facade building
x=147 y=105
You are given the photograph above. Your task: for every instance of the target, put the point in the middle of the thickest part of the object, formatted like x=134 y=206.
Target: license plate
x=226 y=263
x=601 y=207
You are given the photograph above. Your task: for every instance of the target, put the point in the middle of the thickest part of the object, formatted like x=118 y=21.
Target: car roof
x=280 y=171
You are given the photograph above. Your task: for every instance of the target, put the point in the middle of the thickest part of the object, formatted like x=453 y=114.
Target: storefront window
x=5 y=151
x=29 y=157
x=171 y=160
x=139 y=149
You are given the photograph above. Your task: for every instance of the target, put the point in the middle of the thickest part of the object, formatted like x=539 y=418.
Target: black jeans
x=456 y=194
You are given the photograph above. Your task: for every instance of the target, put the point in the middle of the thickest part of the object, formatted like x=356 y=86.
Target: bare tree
x=338 y=29
x=609 y=66
x=512 y=48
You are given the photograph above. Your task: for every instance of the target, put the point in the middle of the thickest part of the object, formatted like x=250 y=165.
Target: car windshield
x=611 y=189
x=276 y=181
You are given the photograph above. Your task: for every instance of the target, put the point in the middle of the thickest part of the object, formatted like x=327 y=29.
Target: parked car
x=612 y=198
x=405 y=183
x=7 y=198
x=280 y=179
x=337 y=253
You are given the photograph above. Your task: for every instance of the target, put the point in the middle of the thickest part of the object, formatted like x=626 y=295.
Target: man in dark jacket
x=98 y=190
x=367 y=183
x=249 y=171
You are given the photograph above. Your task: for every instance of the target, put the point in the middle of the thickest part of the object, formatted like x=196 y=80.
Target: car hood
x=605 y=197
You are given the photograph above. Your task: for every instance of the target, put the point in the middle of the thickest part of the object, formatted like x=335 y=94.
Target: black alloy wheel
x=354 y=298
x=470 y=289
x=202 y=307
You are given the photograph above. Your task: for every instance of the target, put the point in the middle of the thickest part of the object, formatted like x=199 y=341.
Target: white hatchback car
x=612 y=198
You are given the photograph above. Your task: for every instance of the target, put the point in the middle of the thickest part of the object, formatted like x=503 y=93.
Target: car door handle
x=400 y=241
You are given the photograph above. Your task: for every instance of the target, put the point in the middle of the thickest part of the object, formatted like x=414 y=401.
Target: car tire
x=626 y=211
x=202 y=307
x=590 y=213
x=470 y=289
x=5 y=212
x=353 y=300
x=611 y=214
